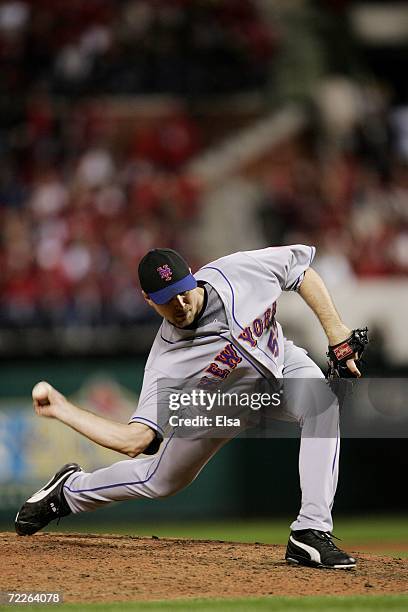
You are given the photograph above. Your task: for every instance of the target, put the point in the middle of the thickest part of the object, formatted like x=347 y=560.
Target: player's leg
x=175 y=466
x=319 y=451
x=317 y=410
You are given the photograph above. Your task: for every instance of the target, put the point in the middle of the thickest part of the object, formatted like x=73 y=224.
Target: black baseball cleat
x=316 y=549
x=47 y=504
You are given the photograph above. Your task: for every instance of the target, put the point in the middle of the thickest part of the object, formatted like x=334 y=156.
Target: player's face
x=182 y=309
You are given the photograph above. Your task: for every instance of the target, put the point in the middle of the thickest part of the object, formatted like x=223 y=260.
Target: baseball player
x=219 y=327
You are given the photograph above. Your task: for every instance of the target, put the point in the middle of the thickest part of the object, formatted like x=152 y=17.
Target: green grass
x=385 y=532
x=363 y=603
x=350 y=530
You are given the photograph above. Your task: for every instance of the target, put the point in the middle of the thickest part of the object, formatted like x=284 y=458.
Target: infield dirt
x=95 y=568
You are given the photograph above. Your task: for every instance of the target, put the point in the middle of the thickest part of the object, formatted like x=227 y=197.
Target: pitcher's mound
x=96 y=568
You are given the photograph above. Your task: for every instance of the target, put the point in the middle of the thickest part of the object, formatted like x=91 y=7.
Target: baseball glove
x=339 y=354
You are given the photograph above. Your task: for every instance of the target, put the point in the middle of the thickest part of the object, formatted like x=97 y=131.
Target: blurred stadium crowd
x=80 y=203
x=76 y=214
x=133 y=46
x=355 y=212
x=76 y=221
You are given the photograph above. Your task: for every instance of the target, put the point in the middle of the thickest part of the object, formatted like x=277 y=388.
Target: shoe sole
x=62 y=474
x=307 y=563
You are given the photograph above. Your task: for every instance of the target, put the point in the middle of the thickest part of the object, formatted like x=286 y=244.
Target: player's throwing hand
x=46 y=399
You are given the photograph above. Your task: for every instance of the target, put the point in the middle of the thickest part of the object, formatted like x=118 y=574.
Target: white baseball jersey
x=250 y=345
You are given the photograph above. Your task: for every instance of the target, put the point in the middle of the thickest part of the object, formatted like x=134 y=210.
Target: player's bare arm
x=129 y=439
x=317 y=297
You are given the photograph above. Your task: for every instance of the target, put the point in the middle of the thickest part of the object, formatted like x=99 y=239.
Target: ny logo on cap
x=165 y=272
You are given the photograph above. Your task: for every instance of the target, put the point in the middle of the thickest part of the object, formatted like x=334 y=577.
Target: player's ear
x=147 y=299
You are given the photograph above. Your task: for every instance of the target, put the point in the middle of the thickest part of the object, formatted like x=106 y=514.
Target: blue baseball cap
x=163 y=274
